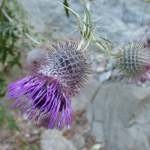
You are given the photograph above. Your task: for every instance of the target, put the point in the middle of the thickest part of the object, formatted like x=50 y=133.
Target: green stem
x=84 y=28
x=2 y=5
x=102 y=49
x=99 y=46
x=3 y=2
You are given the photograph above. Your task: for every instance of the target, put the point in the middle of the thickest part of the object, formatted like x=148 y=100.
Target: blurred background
x=111 y=115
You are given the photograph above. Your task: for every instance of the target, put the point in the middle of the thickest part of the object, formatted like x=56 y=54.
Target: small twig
x=6 y=15
x=104 y=50
x=31 y=38
x=2 y=5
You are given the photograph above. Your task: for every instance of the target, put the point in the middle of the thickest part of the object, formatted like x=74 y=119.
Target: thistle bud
x=57 y=74
x=133 y=61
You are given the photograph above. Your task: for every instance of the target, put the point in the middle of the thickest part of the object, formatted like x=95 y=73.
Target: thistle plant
x=59 y=72
x=133 y=60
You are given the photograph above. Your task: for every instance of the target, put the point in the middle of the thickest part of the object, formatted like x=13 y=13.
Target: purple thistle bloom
x=133 y=61
x=57 y=74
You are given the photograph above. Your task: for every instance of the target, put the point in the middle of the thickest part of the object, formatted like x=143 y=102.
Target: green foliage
x=2 y=115
x=15 y=60
x=3 y=86
x=13 y=28
x=11 y=123
x=88 y=23
x=12 y=32
x=66 y=4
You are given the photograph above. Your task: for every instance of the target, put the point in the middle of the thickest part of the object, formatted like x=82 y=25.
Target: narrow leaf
x=78 y=17
x=66 y=4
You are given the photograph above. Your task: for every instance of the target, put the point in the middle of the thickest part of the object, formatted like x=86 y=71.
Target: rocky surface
x=79 y=141
x=53 y=140
x=119 y=117
x=80 y=103
x=124 y=20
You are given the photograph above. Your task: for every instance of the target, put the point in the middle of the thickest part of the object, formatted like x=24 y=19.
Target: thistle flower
x=133 y=61
x=57 y=74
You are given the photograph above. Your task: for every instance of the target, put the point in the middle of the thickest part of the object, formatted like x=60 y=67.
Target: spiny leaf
x=108 y=41
x=3 y=86
x=5 y=29
x=66 y=4
x=88 y=22
x=3 y=93
x=15 y=60
x=78 y=17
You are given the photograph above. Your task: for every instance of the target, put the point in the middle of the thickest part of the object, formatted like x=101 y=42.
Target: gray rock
x=90 y=89
x=89 y=113
x=53 y=140
x=104 y=76
x=90 y=92
x=142 y=112
x=124 y=19
x=136 y=135
x=100 y=69
x=120 y=116
x=140 y=92
x=80 y=103
x=97 y=146
x=109 y=65
x=79 y=141
x=115 y=73
x=98 y=131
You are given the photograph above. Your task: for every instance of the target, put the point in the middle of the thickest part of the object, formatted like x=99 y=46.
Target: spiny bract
x=57 y=74
x=133 y=61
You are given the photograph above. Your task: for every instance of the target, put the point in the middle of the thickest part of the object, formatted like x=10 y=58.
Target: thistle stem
x=31 y=38
x=91 y=38
x=102 y=49
x=88 y=4
x=6 y=15
x=99 y=46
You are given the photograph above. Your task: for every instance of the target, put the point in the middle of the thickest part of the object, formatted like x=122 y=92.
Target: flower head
x=133 y=60
x=57 y=74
